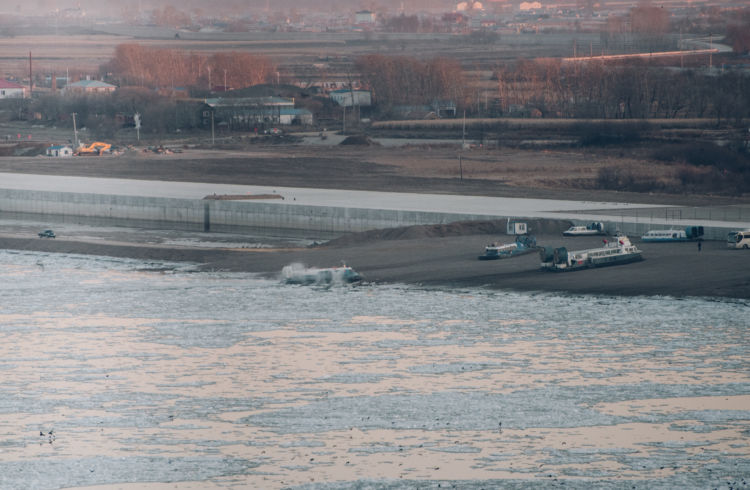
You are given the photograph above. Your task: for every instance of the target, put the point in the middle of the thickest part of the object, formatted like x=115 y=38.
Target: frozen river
x=127 y=374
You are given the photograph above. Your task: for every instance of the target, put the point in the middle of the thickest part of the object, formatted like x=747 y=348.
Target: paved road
x=309 y=197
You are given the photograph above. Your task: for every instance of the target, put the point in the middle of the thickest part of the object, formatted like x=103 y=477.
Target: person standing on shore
x=700 y=245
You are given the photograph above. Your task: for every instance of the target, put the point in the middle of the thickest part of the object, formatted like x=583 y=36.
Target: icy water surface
x=127 y=374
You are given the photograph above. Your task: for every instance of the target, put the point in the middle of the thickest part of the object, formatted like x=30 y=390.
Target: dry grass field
x=85 y=53
x=542 y=154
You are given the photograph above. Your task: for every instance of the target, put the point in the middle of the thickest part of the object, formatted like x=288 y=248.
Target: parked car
x=47 y=234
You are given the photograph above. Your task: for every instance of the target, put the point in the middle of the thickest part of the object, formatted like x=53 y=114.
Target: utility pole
x=75 y=131
x=213 y=141
x=225 y=79
x=209 y=78
x=31 y=79
x=137 y=121
x=463 y=132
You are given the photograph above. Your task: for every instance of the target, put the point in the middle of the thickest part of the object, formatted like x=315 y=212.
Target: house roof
x=287 y=111
x=348 y=91
x=6 y=84
x=58 y=147
x=91 y=84
x=249 y=102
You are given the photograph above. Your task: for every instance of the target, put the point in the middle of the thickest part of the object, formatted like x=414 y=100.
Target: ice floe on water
x=155 y=372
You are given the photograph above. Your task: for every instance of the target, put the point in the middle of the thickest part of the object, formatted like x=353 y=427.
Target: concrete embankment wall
x=236 y=216
x=211 y=215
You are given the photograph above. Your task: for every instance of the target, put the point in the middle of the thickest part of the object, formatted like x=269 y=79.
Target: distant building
x=89 y=87
x=10 y=90
x=247 y=113
x=364 y=17
x=526 y=6
x=444 y=108
x=349 y=98
x=295 y=116
x=60 y=151
x=468 y=6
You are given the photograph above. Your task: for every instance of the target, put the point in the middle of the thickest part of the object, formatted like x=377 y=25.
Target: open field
x=85 y=51
x=554 y=174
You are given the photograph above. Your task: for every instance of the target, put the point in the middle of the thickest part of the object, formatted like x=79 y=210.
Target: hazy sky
x=113 y=7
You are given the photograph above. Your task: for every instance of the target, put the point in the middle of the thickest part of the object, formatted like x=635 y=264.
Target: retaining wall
x=219 y=215
x=210 y=215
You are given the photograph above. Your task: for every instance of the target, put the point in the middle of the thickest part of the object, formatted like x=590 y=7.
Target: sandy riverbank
x=446 y=256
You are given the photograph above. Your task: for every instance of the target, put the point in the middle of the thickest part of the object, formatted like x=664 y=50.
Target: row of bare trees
x=738 y=33
x=403 y=80
x=104 y=116
x=136 y=65
x=599 y=90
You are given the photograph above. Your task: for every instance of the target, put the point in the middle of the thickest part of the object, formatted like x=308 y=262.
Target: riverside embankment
x=426 y=250
x=326 y=212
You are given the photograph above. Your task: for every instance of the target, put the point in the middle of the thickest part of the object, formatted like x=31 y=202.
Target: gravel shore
x=446 y=256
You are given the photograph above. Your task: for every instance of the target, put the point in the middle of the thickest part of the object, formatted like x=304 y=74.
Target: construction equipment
x=95 y=148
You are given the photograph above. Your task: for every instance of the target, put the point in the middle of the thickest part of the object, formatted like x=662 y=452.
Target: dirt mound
x=359 y=139
x=242 y=197
x=459 y=228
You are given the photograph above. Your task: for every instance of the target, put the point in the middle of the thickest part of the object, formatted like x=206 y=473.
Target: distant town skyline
x=114 y=8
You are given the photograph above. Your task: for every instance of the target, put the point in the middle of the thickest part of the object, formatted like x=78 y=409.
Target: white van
x=739 y=239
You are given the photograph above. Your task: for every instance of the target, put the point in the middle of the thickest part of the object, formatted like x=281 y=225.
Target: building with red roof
x=11 y=90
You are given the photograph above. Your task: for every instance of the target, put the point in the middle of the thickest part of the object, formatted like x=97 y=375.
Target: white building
x=349 y=98
x=89 y=87
x=10 y=90
x=60 y=151
x=364 y=17
x=246 y=113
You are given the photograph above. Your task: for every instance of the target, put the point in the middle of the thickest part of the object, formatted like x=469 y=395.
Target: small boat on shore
x=690 y=233
x=595 y=228
x=619 y=251
x=299 y=274
x=523 y=245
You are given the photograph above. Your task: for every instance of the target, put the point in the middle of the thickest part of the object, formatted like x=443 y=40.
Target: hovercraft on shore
x=523 y=245
x=595 y=228
x=690 y=233
x=620 y=251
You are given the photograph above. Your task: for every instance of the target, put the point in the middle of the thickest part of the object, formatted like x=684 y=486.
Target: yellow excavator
x=95 y=148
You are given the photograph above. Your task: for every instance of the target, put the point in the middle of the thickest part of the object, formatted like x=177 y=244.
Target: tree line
x=543 y=87
x=403 y=80
x=104 y=116
x=609 y=91
x=136 y=65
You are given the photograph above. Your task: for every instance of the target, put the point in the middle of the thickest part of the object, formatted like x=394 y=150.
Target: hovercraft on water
x=300 y=274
